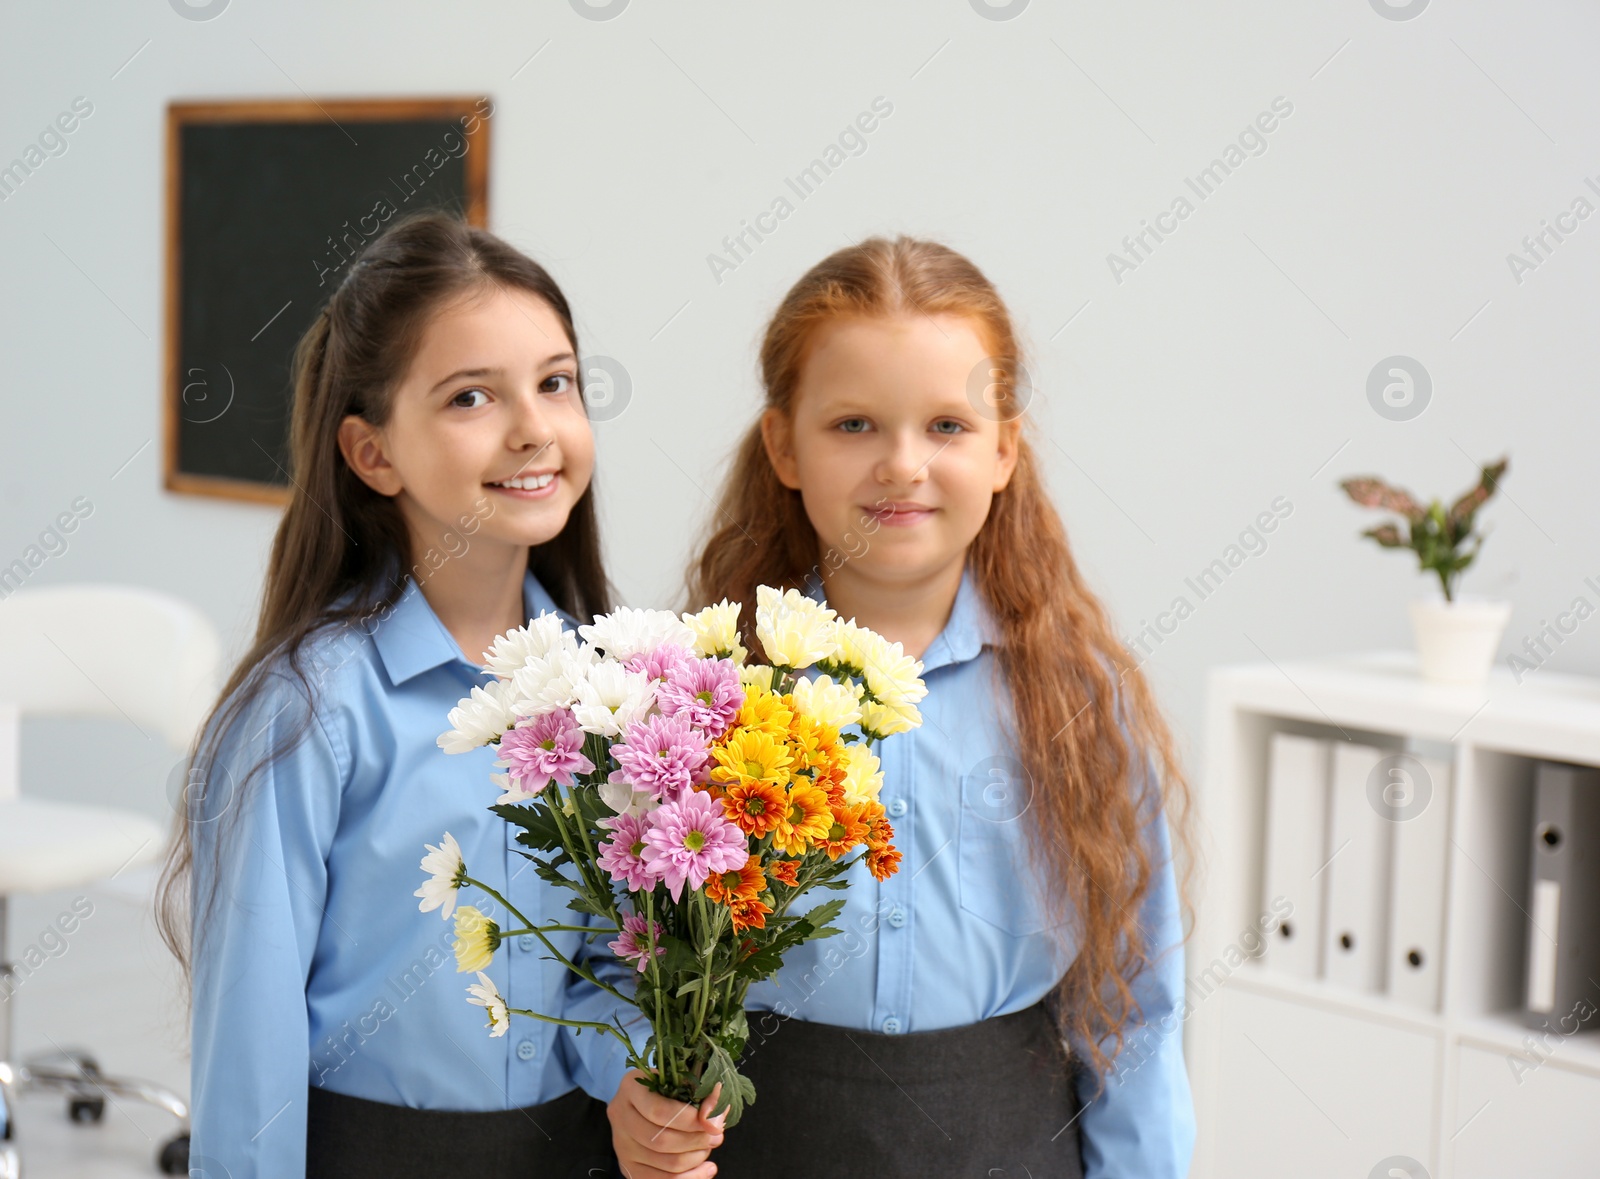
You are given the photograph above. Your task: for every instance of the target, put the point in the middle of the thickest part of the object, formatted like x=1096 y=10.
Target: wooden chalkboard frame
x=339 y=111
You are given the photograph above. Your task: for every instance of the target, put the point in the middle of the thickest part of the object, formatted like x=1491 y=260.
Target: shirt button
x=525 y=941
x=897 y=807
x=892 y=1025
x=526 y=1050
x=897 y=916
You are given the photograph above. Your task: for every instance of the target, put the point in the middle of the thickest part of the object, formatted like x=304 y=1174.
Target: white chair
x=131 y=655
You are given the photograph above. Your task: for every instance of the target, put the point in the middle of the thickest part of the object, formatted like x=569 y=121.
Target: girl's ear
x=361 y=443
x=777 y=435
x=1005 y=460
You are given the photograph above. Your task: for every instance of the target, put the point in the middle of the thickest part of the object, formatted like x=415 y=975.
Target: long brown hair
x=342 y=554
x=1070 y=678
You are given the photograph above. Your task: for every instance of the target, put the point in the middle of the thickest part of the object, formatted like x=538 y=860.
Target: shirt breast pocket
x=997 y=813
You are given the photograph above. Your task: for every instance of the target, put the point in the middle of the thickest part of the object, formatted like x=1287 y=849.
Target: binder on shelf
x=1421 y=845
x=1354 y=942
x=1564 y=888
x=1297 y=828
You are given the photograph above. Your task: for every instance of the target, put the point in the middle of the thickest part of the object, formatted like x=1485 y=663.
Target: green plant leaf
x=738 y=1090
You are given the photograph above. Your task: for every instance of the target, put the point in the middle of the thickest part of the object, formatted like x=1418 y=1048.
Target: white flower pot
x=1456 y=641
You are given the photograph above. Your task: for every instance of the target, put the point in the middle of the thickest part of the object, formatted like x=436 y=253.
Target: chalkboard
x=267 y=204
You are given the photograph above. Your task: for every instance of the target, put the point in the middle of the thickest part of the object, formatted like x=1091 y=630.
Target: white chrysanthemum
x=892 y=676
x=863 y=777
x=517 y=648
x=823 y=700
x=446 y=874
x=716 y=631
x=610 y=697
x=794 y=631
x=625 y=800
x=756 y=675
x=849 y=645
x=547 y=684
x=485 y=994
x=480 y=719
x=511 y=793
x=627 y=632
x=885 y=720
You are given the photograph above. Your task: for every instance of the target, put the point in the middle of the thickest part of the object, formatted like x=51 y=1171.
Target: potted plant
x=1456 y=635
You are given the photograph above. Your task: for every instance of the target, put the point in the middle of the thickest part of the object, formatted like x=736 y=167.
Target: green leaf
x=821 y=915
x=539 y=829
x=678 y=957
x=738 y=1090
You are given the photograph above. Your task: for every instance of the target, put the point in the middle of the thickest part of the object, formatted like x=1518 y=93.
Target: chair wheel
x=86 y=1109
x=174 y=1157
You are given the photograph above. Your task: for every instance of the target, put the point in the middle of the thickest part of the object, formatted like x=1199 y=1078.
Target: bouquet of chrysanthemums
x=688 y=799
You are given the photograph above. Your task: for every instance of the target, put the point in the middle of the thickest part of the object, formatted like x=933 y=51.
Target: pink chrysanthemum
x=660 y=663
x=705 y=692
x=688 y=839
x=622 y=854
x=549 y=746
x=663 y=755
x=630 y=947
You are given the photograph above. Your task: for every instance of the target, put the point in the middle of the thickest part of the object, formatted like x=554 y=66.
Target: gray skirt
x=995 y=1099
x=353 y=1138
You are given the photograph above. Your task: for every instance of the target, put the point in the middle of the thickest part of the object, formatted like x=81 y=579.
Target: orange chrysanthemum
x=736 y=884
x=750 y=914
x=755 y=807
x=880 y=832
x=808 y=818
x=785 y=872
x=883 y=861
x=830 y=778
x=847 y=829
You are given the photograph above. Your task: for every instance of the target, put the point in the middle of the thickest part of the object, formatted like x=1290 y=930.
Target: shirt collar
x=412 y=640
x=969 y=629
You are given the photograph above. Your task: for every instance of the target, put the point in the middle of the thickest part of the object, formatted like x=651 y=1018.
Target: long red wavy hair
x=1068 y=675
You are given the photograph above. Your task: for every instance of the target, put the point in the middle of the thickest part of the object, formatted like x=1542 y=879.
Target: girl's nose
x=906 y=461
x=529 y=426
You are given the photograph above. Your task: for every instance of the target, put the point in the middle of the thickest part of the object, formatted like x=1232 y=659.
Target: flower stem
x=581 y=971
x=504 y=933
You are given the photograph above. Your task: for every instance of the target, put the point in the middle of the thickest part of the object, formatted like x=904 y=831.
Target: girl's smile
x=899 y=515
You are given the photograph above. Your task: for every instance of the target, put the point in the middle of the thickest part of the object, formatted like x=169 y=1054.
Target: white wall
x=1228 y=369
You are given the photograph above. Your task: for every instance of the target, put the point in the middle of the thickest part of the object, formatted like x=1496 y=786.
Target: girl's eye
x=458 y=399
x=556 y=383
x=955 y=426
x=853 y=425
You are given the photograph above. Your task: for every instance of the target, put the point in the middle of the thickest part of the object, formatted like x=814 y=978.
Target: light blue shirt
x=316 y=966
x=960 y=933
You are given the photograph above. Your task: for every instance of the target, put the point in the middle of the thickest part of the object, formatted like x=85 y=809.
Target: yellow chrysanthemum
x=808 y=820
x=751 y=755
x=833 y=704
x=811 y=743
x=764 y=712
x=863 y=779
x=477 y=938
x=716 y=631
x=794 y=631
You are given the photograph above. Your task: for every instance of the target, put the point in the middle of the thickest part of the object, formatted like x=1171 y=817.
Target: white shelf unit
x=1299 y=1077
